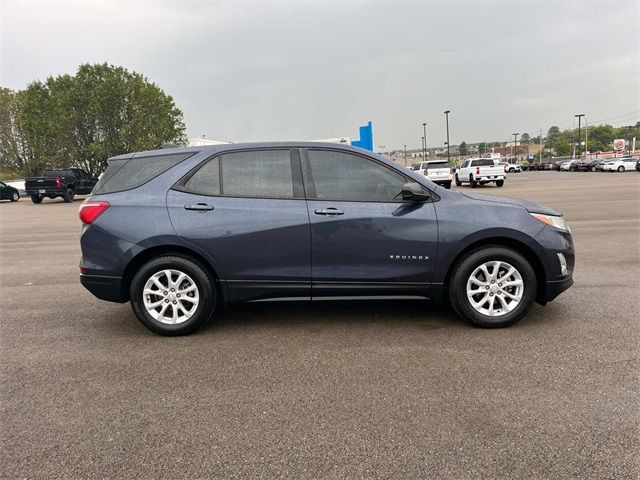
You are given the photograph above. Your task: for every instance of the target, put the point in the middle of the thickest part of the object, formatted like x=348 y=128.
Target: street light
x=447 y=112
x=424 y=152
x=515 y=144
x=423 y=143
x=579 y=115
x=405 y=154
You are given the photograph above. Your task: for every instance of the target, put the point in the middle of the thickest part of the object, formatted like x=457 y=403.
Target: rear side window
x=482 y=162
x=437 y=165
x=127 y=174
x=206 y=181
x=264 y=173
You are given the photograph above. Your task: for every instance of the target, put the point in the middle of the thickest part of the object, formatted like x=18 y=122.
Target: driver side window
x=343 y=176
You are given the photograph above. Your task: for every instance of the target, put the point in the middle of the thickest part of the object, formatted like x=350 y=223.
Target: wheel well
x=516 y=245
x=136 y=262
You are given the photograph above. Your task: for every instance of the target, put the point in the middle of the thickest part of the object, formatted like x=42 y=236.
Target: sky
x=296 y=70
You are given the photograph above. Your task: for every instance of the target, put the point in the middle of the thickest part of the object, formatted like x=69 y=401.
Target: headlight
x=552 y=220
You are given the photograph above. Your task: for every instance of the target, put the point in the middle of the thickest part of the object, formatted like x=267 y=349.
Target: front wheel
x=173 y=295
x=492 y=287
x=621 y=169
x=499 y=183
x=458 y=182
x=36 y=198
x=15 y=196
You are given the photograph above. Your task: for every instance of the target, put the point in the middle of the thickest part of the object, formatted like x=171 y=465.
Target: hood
x=532 y=207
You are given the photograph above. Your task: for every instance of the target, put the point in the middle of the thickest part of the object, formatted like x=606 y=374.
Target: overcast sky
x=247 y=71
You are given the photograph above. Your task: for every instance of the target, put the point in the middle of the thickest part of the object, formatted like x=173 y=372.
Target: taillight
x=478 y=171
x=89 y=211
x=505 y=169
x=58 y=182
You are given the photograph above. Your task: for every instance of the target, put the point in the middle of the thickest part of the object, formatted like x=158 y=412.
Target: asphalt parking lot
x=329 y=389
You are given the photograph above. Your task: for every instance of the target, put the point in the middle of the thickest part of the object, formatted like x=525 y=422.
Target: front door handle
x=330 y=212
x=199 y=207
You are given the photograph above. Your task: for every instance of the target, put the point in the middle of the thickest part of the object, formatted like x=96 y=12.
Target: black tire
x=621 y=169
x=69 y=195
x=458 y=182
x=499 y=183
x=15 y=196
x=36 y=198
x=465 y=267
x=447 y=185
x=473 y=183
x=201 y=277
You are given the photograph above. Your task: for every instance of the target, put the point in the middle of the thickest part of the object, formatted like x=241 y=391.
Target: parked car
x=439 y=172
x=638 y=166
x=557 y=164
x=9 y=193
x=588 y=165
x=514 y=168
x=248 y=222
x=59 y=182
x=619 y=164
x=479 y=171
x=569 y=166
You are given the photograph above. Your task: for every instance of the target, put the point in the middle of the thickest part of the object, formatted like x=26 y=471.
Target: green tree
x=552 y=135
x=482 y=148
x=463 y=148
x=525 y=139
x=600 y=137
x=100 y=112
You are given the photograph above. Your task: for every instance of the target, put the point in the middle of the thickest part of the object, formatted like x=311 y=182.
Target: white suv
x=619 y=164
x=439 y=172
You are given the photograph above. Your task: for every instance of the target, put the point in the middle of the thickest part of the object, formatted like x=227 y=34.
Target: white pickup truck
x=478 y=171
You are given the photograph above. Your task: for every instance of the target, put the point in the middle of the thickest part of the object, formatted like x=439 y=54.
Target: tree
x=552 y=135
x=482 y=148
x=463 y=148
x=600 y=138
x=100 y=112
x=525 y=138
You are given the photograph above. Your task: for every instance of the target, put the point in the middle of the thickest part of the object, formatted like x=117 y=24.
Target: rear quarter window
x=127 y=174
x=482 y=163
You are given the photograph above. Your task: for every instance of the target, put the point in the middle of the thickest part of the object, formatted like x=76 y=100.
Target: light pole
x=424 y=153
x=423 y=142
x=405 y=155
x=446 y=113
x=515 y=144
x=579 y=115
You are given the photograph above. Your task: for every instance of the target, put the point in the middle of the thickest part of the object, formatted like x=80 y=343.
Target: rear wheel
x=492 y=287
x=473 y=183
x=173 y=295
x=499 y=183
x=447 y=185
x=621 y=168
x=458 y=182
x=15 y=196
x=69 y=195
x=36 y=198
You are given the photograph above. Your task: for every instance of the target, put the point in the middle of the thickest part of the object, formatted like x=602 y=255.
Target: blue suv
x=181 y=232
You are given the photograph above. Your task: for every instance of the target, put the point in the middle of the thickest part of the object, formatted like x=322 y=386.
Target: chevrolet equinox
x=181 y=232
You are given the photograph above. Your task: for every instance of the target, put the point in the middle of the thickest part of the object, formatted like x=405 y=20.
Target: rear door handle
x=330 y=212
x=199 y=207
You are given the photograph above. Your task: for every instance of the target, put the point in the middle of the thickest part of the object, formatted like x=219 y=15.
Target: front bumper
x=556 y=287
x=104 y=288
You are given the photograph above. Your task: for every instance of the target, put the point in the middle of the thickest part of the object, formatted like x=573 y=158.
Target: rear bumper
x=48 y=191
x=104 y=288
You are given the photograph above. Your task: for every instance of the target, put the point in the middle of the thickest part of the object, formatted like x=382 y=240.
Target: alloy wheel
x=171 y=296
x=495 y=288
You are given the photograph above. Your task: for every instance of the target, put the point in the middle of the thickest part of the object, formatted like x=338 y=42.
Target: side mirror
x=414 y=192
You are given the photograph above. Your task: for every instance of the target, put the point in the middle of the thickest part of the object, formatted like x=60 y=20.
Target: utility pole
x=447 y=112
x=423 y=143
x=540 y=157
x=515 y=145
x=424 y=128
x=405 y=155
x=579 y=115
x=586 y=137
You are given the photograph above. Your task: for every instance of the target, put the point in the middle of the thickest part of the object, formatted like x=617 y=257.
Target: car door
x=246 y=210
x=4 y=191
x=365 y=239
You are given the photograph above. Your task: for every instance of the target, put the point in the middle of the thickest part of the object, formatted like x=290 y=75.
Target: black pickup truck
x=59 y=182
